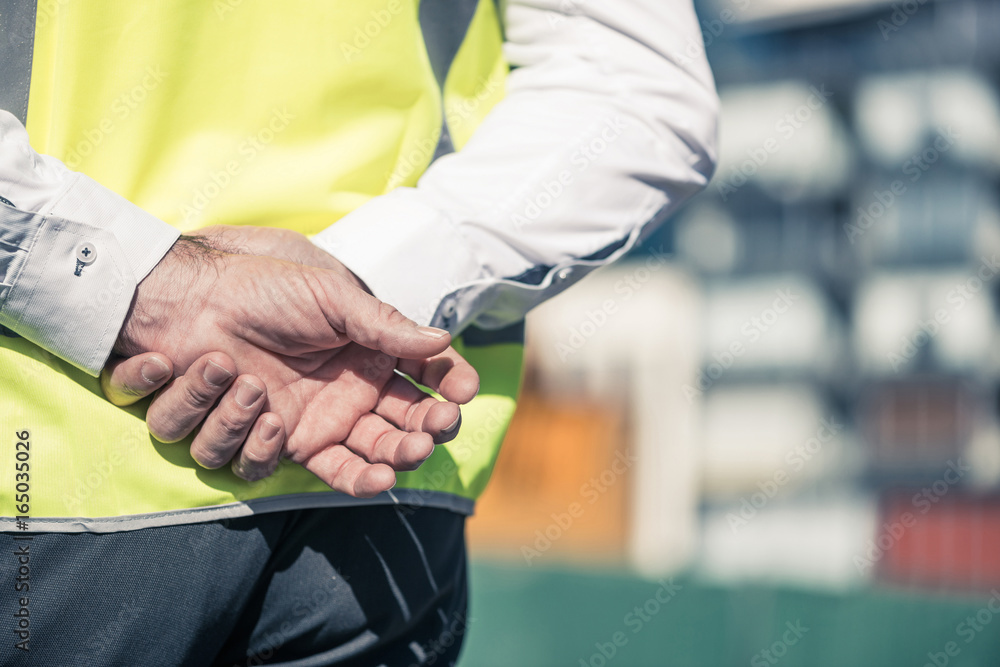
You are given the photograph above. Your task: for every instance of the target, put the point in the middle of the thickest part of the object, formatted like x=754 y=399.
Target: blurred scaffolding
x=795 y=380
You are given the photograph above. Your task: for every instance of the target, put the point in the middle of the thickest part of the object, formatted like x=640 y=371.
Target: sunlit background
x=772 y=436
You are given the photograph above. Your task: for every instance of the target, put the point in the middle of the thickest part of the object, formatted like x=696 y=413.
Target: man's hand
x=339 y=405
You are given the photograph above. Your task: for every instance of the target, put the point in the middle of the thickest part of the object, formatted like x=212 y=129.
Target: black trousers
x=378 y=585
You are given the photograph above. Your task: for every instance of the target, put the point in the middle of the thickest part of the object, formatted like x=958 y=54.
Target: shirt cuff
x=415 y=258
x=68 y=286
x=142 y=237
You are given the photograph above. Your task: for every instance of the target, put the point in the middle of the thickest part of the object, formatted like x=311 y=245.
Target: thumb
x=375 y=324
x=127 y=380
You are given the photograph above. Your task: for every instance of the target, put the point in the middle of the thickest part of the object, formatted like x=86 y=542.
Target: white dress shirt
x=608 y=125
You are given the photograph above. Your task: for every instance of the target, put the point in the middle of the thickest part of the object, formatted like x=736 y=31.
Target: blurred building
x=809 y=385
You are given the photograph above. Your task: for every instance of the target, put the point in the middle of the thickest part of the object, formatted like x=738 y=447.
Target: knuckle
x=231 y=427
x=343 y=478
x=199 y=396
x=388 y=315
x=415 y=415
x=386 y=311
x=385 y=449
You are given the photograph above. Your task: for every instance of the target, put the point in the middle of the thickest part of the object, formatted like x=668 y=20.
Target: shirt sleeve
x=71 y=253
x=608 y=125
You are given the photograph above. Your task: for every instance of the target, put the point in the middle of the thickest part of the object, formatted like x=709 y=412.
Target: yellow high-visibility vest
x=242 y=113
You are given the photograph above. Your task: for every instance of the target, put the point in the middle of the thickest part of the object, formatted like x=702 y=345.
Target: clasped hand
x=275 y=349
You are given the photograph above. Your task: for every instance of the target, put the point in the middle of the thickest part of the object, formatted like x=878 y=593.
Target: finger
x=262 y=450
x=127 y=380
x=185 y=402
x=374 y=324
x=405 y=406
x=342 y=470
x=228 y=424
x=378 y=441
x=448 y=373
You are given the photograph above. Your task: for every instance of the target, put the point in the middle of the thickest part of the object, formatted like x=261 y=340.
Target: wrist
x=170 y=294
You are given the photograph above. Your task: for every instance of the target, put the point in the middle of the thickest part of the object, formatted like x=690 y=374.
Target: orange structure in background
x=560 y=487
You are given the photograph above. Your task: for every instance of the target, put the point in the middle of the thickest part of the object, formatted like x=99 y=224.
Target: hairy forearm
x=178 y=285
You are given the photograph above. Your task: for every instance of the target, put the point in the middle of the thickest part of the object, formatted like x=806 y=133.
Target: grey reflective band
x=444 y=24
x=17 y=44
x=114 y=524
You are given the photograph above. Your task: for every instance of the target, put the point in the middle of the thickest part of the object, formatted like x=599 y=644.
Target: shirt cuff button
x=86 y=253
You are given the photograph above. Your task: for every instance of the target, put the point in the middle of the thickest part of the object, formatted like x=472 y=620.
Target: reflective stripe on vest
x=236 y=113
x=17 y=38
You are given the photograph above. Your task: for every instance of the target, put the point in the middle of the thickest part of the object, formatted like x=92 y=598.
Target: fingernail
x=153 y=370
x=216 y=374
x=247 y=394
x=433 y=332
x=454 y=426
x=268 y=430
